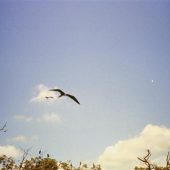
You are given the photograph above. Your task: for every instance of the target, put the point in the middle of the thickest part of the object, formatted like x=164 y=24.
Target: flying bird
x=65 y=94
x=3 y=128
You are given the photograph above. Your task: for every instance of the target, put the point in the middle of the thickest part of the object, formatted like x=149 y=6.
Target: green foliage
x=7 y=163
x=40 y=163
x=47 y=163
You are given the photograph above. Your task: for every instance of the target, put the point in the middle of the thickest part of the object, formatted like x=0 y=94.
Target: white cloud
x=42 y=92
x=24 y=118
x=123 y=155
x=25 y=139
x=34 y=138
x=45 y=118
x=19 y=138
x=50 y=118
x=10 y=150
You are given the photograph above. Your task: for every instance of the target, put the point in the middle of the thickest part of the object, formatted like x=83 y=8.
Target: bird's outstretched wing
x=3 y=126
x=58 y=90
x=72 y=97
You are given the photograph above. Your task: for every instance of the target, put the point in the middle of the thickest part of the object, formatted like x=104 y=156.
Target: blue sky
x=113 y=56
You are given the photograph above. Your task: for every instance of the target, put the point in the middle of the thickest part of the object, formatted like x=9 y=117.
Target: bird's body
x=49 y=97
x=65 y=94
x=60 y=91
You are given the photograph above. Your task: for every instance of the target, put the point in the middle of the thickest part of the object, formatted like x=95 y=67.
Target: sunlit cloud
x=24 y=139
x=23 y=118
x=50 y=118
x=42 y=92
x=10 y=150
x=123 y=155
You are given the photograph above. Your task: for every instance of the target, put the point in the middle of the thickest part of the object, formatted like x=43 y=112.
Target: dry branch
x=146 y=160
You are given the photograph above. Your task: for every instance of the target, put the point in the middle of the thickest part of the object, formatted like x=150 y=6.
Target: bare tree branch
x=168 y=160
x=148 y=155
x=25 y=154
x=146 y=160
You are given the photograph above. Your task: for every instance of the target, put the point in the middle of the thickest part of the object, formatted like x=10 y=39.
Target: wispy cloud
x=45 y=118
x=50 y=118
x=24 y=139
x=42 y=91
x=123 y=154
x=23 y=118
x=10 y=150
x=19 y=138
